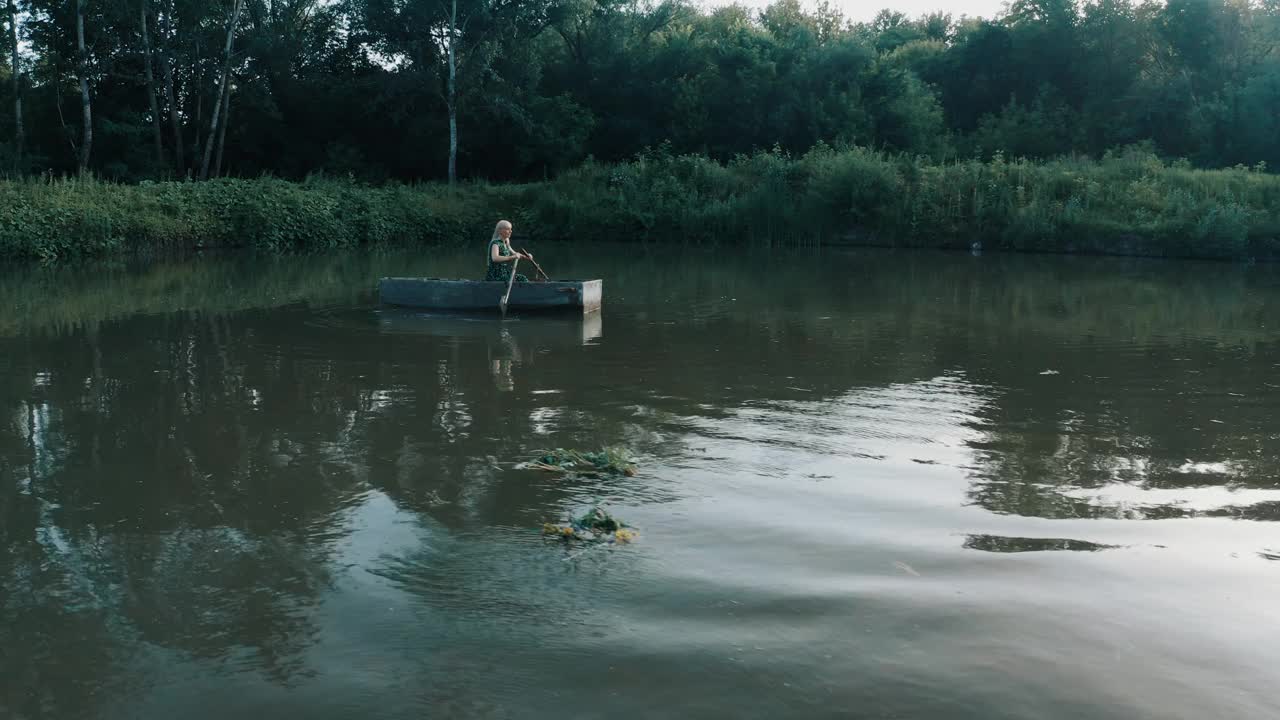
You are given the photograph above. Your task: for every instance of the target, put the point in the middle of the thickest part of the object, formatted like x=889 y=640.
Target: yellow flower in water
x=566 y=531
x=623 y=536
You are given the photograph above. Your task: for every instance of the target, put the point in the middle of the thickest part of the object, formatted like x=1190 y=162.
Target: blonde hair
x=501 y=224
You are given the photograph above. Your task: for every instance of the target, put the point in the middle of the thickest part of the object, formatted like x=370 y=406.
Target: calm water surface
x=873 y=485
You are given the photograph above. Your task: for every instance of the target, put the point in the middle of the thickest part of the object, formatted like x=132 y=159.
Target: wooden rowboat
x=582 y=296
x=528 y=330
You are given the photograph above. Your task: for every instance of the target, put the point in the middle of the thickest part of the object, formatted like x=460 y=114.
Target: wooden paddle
x=503 y=305
x=536 y=266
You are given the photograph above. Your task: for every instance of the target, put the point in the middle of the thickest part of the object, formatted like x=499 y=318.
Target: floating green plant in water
x=609 y=461
x=595 y=525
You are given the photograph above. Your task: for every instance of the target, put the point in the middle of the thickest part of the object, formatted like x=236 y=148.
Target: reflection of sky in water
x=544 y=420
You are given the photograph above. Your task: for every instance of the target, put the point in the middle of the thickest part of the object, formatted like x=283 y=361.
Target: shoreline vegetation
x=1109 y=127
x=1129 y=202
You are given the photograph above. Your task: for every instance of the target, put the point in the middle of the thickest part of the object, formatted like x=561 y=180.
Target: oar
x=536 y=266
x=503 y=305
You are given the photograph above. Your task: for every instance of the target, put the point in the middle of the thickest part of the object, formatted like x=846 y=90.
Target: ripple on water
x=930 y=418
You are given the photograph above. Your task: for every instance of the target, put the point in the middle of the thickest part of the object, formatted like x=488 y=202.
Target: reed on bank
x=1127 y=203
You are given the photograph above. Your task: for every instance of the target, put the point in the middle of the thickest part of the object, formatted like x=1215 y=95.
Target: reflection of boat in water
x=582 y=296
x=531 y=329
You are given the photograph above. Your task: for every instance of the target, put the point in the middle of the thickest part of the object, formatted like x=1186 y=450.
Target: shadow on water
x=234 y=465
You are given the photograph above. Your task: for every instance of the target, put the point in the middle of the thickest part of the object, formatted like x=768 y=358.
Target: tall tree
x=171 y=98
x=222 y=130
x=19 y=131
x=1112 y=42
x=452 y=98
x=86 y=108
x=222 y=89
x=455 y=46
x=151 y=84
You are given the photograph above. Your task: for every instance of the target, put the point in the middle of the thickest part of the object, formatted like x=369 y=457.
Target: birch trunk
x=86 y=107
x=170 y=97
x=19 y=131
x=157 y=137
x=222 y=133
x=197 y=77
x=222 y=91
x=453 y=95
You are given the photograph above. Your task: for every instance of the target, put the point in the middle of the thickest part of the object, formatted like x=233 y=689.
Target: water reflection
x=223 y=470
x=997 y=544
x=544 y=330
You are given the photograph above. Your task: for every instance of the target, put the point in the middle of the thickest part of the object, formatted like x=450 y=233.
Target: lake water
x=872 y=485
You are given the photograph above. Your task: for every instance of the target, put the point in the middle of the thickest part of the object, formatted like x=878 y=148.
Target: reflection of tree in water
x=60 y=299
x=59 y=651
x=149 y=486
x=1144 y=421
x=1162 y=380
x=218 y=592
x=1000 y=544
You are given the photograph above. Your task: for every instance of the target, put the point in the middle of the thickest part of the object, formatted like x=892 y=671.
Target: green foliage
x=1129 y=202
x=1038 y=131
x=609 y=461
x=63 y=219
x=594 y=525
x=359 y=89
x=599 y=519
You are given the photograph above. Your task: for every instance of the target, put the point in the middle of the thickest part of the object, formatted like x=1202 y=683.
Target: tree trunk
x=453 y=96
x=19 y=131
x=151 y=86
x=222 y=91
x=222 y=133
x=198 y=78
x=62 y=119
x=166 y=67
x=86 y=108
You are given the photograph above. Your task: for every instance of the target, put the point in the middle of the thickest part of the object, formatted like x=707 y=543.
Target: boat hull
x=529 y=329
x=478 y=295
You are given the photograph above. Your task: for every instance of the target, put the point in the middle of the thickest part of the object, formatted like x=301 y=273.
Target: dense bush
x=58 y=219
x=1126 y=203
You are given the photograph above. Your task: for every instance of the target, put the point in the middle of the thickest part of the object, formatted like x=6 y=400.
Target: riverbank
x=1129 y=203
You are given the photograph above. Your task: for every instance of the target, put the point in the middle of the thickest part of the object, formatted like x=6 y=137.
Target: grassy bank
x=1130 y=204
x=58 y=219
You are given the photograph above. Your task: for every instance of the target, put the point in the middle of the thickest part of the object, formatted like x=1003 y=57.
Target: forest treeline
x=519 y=90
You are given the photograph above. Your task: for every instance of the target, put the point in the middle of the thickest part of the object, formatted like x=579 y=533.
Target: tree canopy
x=361 y=87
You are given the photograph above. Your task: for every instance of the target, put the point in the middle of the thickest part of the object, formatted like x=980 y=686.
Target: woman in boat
x=501 y=255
